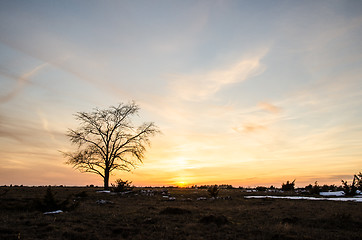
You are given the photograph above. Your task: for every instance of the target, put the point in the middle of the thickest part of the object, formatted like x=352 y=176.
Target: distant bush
x=316 y=189
x=213 y=191
x=261 y=188
x=121 y=186
x=350 y=189
x=288 y=186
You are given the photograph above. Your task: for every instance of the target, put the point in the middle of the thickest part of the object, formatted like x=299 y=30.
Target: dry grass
x=151 y=217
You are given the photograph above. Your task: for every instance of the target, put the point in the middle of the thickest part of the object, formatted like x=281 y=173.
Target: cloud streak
x=196 y=87
x=21 y=81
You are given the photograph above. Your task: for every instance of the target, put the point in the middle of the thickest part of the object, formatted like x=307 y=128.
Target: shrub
x=261 y=188
x=313 y=189
x=288 y=186
x=350 y=189
x=213 y=191
x=121 y=186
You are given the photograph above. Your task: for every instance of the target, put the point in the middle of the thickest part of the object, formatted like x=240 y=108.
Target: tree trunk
x=106 y=179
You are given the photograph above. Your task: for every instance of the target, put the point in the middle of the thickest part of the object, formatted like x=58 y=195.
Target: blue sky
x=245 y=92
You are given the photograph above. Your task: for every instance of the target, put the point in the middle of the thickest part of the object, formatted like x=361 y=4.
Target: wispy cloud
x=201 y=86
x=21 y=81
x=249 y=127
x=269 y=107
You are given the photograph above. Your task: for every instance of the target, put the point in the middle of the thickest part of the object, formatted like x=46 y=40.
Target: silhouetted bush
x=288 y=186
x=121 y=186
x=226 y=186
x=313 y=189
x=350 y=189
x=261 y=189
x=213 y=191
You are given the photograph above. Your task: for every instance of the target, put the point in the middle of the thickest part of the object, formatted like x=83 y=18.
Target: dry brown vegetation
x=141 y=216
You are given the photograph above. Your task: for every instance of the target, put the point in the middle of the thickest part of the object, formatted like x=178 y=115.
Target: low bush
x=288 y=186
x=350 y=189
x=122 y=186
x=213 y=191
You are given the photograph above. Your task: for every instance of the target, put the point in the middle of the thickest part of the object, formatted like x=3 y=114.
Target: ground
x=149 y=215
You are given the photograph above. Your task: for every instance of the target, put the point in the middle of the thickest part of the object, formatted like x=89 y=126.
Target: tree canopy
x=107 y=140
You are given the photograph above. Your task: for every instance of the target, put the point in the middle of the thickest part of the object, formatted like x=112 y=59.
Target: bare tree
x=107 y=140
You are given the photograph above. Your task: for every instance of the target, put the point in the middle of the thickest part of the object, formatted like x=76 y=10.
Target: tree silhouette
x=107 y=140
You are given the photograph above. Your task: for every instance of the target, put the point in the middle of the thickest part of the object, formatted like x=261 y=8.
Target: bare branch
x=107 y=140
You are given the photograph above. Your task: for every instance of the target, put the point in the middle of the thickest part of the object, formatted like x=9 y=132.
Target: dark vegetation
x=107 y=140
x=350 y=189
x=213 y=191
x=288 y=186
x=145 y=213
x=121 y=186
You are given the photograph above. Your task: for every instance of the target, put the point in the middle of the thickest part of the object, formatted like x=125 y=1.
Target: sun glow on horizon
x=182 y=184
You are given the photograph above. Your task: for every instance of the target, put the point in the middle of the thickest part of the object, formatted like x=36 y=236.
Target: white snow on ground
x=343 y=199
x=336 y=194
x=104 y=191
x=169 y=198
x=54 y=212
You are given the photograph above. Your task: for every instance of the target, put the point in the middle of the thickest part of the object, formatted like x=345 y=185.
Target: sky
x=247 y=93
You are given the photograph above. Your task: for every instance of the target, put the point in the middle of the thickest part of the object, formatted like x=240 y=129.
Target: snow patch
x=336 y=194
x=169 y=198
x=53 y=212
x=343 y=199
x=201 y=199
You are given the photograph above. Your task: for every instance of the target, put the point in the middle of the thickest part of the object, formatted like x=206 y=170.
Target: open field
x=151 y=216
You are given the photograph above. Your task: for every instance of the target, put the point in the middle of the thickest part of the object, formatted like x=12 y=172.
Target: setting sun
x=181 y=184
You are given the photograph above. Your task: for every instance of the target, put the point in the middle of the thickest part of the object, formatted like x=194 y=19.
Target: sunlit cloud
x=250 y=127
x=269 y=107
x=201 y=86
